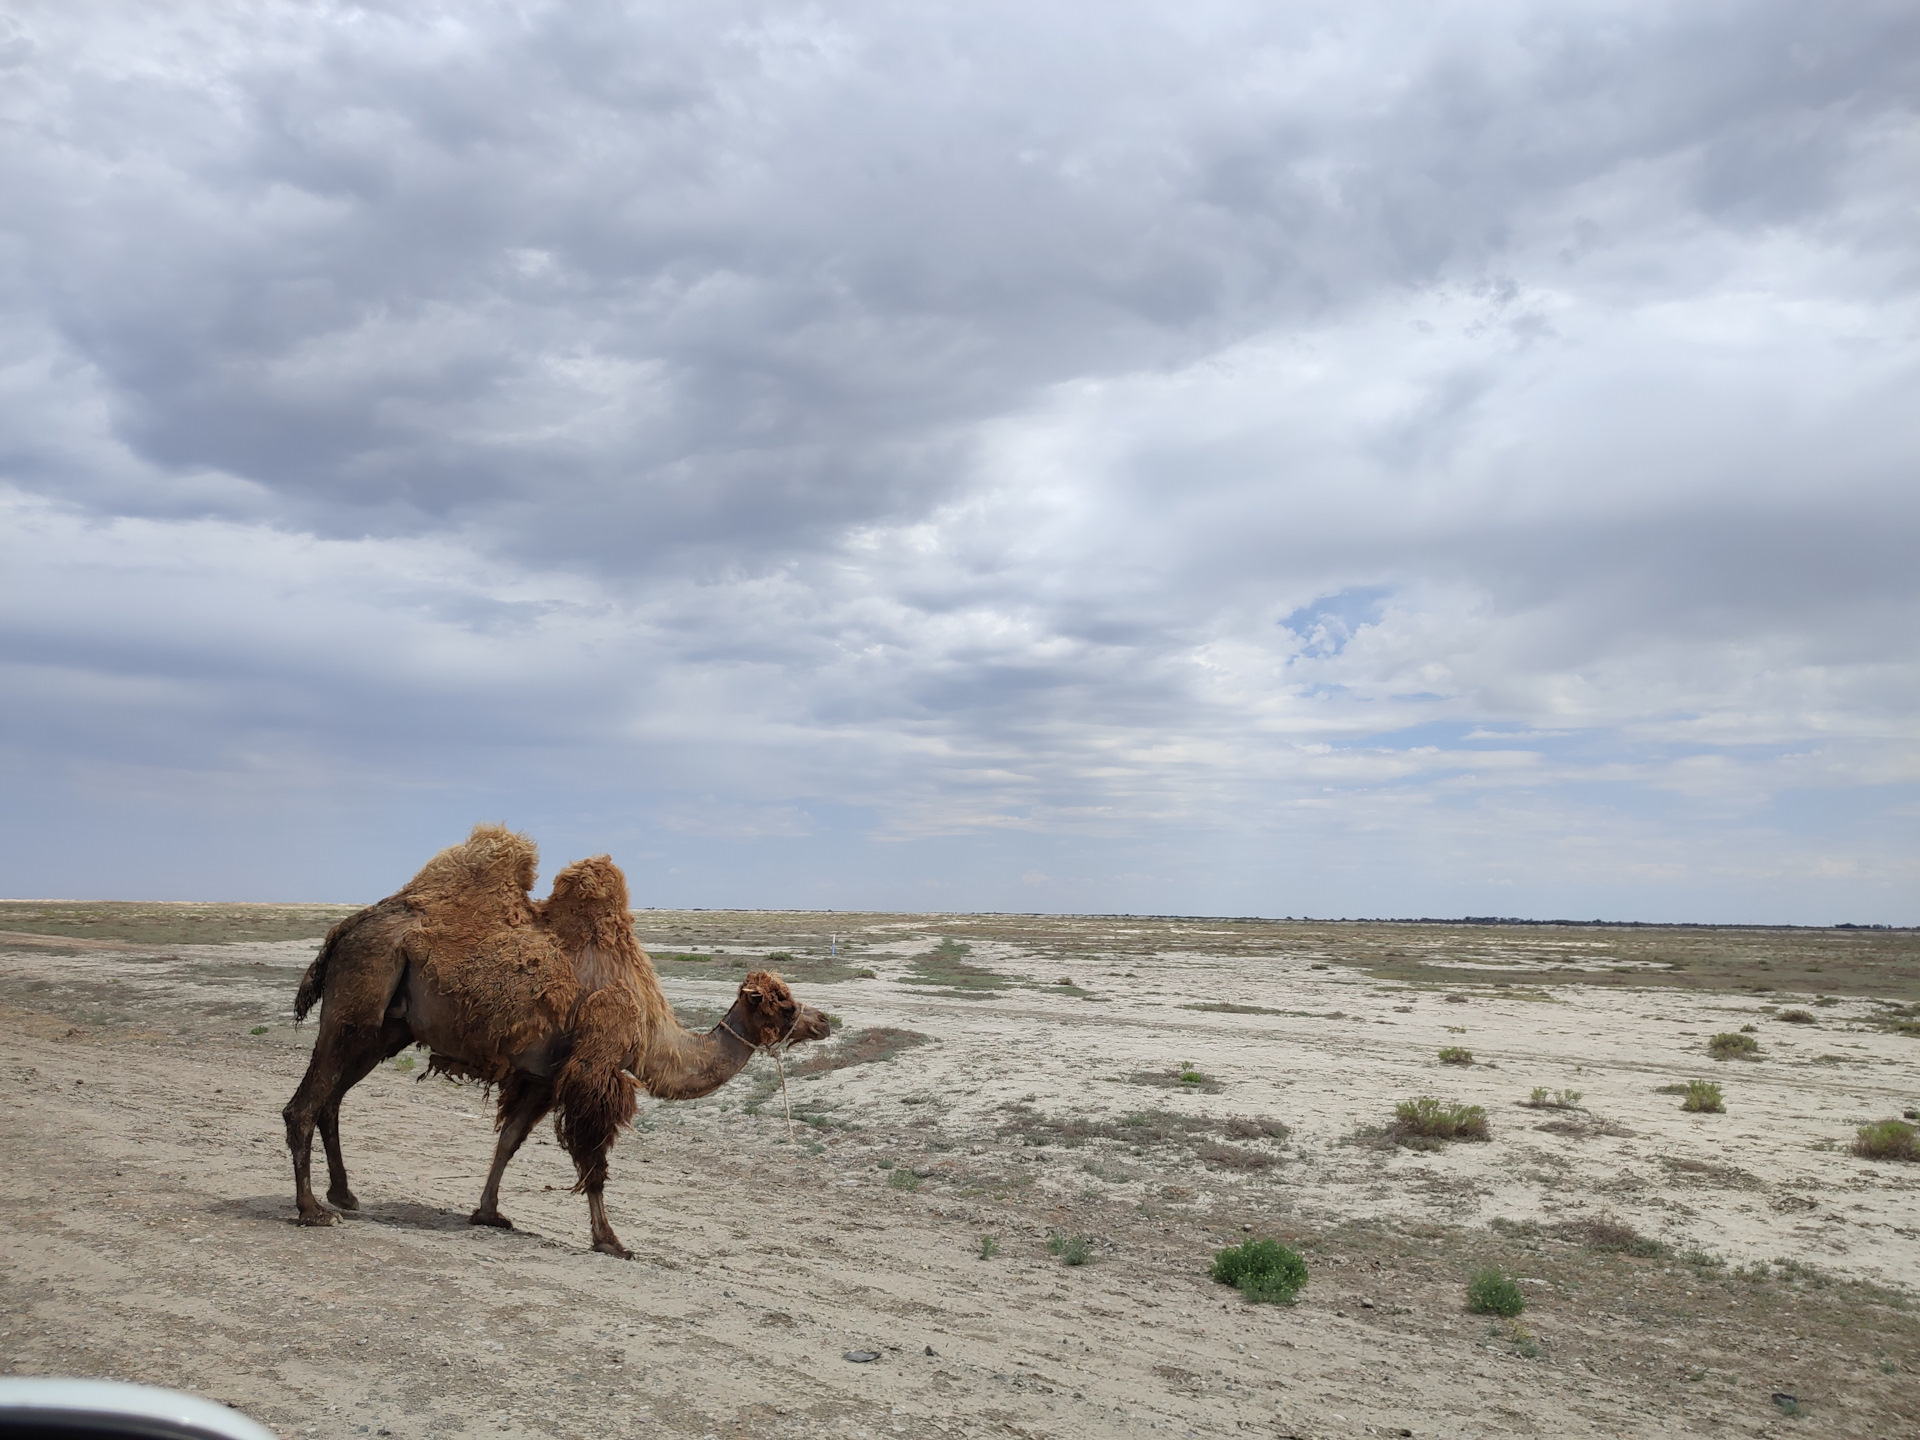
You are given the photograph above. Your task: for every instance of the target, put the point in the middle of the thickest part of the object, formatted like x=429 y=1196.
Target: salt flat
x=1018 y=1078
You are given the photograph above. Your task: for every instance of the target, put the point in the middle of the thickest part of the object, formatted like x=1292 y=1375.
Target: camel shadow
x=397 y=1214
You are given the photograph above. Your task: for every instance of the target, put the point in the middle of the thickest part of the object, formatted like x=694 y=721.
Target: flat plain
x=1158 y=1088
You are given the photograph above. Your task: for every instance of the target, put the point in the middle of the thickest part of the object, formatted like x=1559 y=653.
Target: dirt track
x=144 y=1209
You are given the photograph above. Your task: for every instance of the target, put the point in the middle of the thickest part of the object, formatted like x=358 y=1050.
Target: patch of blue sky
x=1327 y=624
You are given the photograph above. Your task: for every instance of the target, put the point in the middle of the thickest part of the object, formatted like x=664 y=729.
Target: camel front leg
x=604 y=1240
x=588 y=1134
x=524 y=1100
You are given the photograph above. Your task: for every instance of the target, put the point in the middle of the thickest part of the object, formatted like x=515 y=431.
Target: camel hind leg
x=394 y=1038
x=354 y=978
x=524 y=1099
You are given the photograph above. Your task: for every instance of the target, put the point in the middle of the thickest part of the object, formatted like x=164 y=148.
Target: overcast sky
x=1312 y=459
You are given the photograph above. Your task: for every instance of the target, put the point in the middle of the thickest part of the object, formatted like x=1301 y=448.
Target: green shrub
x=903 y=1179
x=989 y=1247
x=1072 y=1250
x=1797 y=1017
x=1456 y=1055
x=1434 y=1119
x=1728 y=1045
x=1491 y=1293
x=405 y=1062
x=1264 y=1271
x=1888 y=1140
x=1703 y=1098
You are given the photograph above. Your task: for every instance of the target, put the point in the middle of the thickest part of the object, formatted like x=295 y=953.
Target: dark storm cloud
x=942 y=413
x=733 y=274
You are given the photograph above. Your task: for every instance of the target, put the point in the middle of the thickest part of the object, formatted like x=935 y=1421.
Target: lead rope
x=785 y=1042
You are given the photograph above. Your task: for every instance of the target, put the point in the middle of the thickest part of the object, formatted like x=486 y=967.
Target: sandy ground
x=146 y=1200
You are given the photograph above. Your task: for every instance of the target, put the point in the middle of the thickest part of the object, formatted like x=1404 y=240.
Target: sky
x=1329 y=459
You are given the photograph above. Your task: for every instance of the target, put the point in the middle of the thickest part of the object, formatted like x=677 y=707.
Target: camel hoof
x=614 y=1248
x=495 y=1219
x=342 y=1200
x=314 y=1217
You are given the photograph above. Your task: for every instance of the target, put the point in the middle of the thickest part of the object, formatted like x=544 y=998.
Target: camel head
x=768 y=1013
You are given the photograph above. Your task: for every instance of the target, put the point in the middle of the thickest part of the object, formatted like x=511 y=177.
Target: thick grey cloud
x=1206 y=457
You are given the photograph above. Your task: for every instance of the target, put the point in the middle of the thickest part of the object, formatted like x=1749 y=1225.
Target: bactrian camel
x=552 y=1001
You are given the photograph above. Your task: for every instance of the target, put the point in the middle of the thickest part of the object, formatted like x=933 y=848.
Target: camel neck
x=685 y=1066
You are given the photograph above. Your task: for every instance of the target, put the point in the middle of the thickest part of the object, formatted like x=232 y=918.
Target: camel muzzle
x=809 y=1024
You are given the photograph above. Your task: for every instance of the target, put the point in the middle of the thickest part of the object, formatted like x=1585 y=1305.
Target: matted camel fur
x=481 y=941
x=524 y=968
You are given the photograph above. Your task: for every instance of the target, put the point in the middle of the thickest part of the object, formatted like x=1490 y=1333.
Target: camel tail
x=313 y=984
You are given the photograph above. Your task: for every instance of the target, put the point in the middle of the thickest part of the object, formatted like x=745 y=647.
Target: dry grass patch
x=1586 y=1127
x=1153 y=1129
x=1456 y=1055
x=1732 y=1045
x=1182 y=1077
x=946 y=968
x=1232 y=1157
x=1685 y=1170
x=160 y=923
x=860 y=1047
x=1607 y=1231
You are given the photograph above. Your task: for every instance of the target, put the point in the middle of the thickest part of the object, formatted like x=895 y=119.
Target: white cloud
x=1224 y=458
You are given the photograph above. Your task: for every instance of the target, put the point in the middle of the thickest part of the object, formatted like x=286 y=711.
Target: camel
x=554 y=1002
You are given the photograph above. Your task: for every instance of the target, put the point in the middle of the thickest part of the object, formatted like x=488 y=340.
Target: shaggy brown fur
x=480 y=940
x=553 y=1001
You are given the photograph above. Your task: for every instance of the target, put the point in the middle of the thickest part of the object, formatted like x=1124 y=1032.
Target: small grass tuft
x=901 y=1178
x=1428 y=1118
x=1492 y=1293
x=1703 y=1098
x=1456 y=1055
x=989 y=1247
x=1887 y=1140
x=404 y=1063
x=1729 y=1045
x=1545 y=1099
x=1072 y=1249
x=1797 y=1017
x=1185 y=1076
x=258 y=1030
x=1265 y=1271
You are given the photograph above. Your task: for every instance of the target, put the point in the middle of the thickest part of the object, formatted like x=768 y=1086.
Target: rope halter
x=776 y=1048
